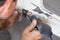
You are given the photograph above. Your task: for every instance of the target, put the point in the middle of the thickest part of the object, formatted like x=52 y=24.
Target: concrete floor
x=52 y=5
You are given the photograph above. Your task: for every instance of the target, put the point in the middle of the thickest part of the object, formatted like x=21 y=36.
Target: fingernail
x=35 y=21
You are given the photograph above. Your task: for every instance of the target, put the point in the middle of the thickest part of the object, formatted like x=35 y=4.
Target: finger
x=11 y=20
x=37 y=34
x=38 y=38
x=31 y=26
x=13 y=16
x=7 y=10
x=20 y=19
x=19 y=15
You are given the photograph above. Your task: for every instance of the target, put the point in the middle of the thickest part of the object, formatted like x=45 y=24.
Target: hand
x=17 y=14
x=6 y=11
x=29 y=34
x=7 y=23
x=10 y=21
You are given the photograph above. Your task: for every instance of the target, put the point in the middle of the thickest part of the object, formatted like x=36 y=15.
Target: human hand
x=11 y=20
x=8 y=23
x=17 y=14
x=30 y=34
x=6 y=11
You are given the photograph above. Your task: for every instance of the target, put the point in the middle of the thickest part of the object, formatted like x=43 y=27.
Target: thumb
x=31 y=26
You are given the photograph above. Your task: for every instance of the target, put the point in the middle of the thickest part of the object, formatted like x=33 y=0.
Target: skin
x=8 y=23
x=7 y=8
x=29 y=34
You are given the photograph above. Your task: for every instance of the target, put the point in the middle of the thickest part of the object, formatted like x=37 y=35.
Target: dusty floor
x=52 y=5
